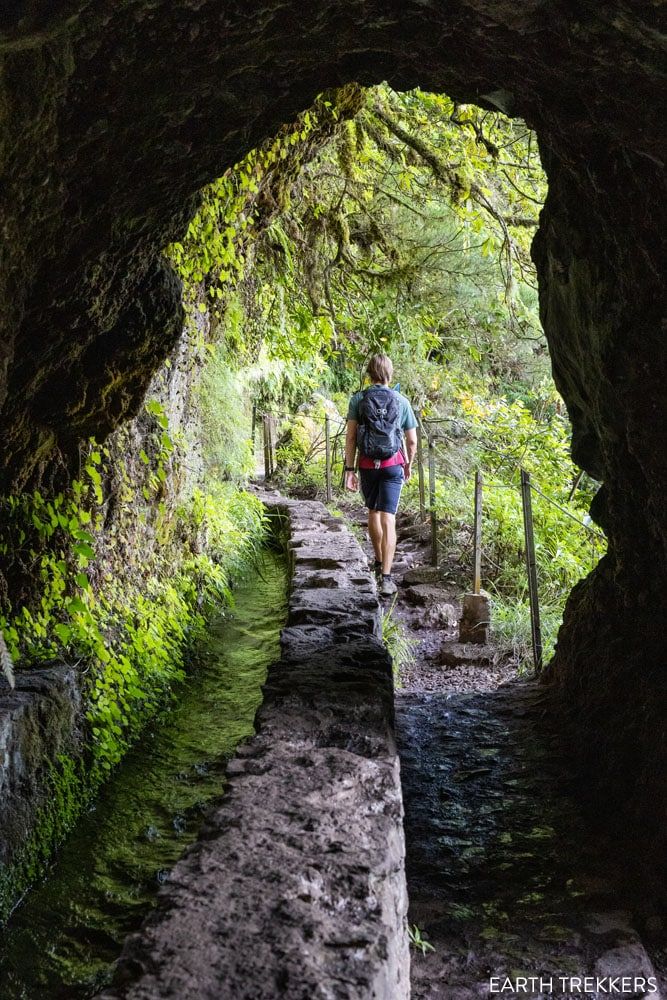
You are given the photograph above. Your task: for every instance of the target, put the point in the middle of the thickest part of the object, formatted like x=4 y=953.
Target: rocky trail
x=506 y=878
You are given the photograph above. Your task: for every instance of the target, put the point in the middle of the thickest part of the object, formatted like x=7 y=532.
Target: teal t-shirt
x=408 y=420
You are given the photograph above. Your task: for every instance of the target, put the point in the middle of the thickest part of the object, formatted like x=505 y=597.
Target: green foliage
x=512 y=630
x=217 y=242
x=418 y=941
x=500 y=436
x=131 y=634
x=226 y=419
x=399 y=645
x=402 y=223
x=300 y=453
x=375 y=221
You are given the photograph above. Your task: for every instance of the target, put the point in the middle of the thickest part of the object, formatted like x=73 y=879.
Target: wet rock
x=39 y=721
x=496 y=848
x=425 y=594
x=336 y=608
x=628 y=958
x=414 y=532
x=441 y=616
x=308 y=578
x=423 y=574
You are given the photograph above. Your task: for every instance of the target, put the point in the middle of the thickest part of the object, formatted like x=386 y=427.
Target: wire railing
x=526 y=487
x=329 y=444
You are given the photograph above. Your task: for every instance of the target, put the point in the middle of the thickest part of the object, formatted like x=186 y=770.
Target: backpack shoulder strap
x=362 y=400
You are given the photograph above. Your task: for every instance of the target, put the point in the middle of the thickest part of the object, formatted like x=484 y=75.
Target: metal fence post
x=477 y=551
x=531 y=568
x=431 y=498
x=420 y=471
x=267 y=446
x=327 y=446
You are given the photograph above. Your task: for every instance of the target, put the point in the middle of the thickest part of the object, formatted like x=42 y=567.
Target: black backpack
x=379 y=434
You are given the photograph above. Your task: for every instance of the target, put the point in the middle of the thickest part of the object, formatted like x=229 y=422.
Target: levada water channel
x=63 y=940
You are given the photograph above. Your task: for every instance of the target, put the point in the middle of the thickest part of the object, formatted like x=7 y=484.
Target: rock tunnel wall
x=296 y=887
x=115 y=113
x=45 y=735
x=603 y=310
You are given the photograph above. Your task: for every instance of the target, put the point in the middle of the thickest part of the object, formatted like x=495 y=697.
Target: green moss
x=67 y=790
x=132 y=631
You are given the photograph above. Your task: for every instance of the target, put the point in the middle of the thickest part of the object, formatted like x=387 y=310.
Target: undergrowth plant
x=128 y=631
x=399 y=645
x=418 y=940
x=499 y=436
x=401 y=223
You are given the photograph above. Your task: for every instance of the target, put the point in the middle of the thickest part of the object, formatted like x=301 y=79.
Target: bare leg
x=375 y=530
x=388 y=522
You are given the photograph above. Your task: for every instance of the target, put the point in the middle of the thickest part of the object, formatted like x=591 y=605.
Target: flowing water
x=63 y=940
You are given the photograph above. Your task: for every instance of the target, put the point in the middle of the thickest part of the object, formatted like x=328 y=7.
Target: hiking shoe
x=377 y=568
x=387 y=586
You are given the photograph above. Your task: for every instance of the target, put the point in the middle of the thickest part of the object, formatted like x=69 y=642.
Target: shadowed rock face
x=114 y=114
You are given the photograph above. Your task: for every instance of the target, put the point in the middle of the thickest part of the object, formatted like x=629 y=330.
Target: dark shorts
x=382 y=487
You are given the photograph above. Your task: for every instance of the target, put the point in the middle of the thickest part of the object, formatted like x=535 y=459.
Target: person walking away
x=381 y=428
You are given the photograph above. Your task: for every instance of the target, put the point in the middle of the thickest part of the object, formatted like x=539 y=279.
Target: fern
x=6 y=664
x=399 y=645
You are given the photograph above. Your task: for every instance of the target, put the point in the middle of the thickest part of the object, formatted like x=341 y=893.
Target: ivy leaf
x=75 y=606
x=84 y=551
x=64 y=632
x=84 y=536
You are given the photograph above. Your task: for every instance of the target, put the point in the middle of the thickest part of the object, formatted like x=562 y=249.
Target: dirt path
x=505 y=878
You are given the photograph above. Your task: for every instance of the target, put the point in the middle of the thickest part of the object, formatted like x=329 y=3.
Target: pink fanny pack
x=386 y=463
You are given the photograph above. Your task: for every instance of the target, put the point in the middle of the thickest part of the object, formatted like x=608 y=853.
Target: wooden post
x=477 y=552
x=431 y=498
x=267 y=446
x=531 y=568
x=420 y=471
x=273 y=428
x=327 y=447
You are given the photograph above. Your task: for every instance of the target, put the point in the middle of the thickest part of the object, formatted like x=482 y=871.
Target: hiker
x=377 y=419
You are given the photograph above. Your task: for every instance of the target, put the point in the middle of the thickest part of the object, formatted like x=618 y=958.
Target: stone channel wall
x=39 y=728
x=296 y=886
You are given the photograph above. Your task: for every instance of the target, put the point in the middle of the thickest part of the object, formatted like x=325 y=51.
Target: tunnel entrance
x=396 y=223
x=117 y=115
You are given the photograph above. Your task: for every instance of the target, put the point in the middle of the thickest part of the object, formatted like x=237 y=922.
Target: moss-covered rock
x=42 y=786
